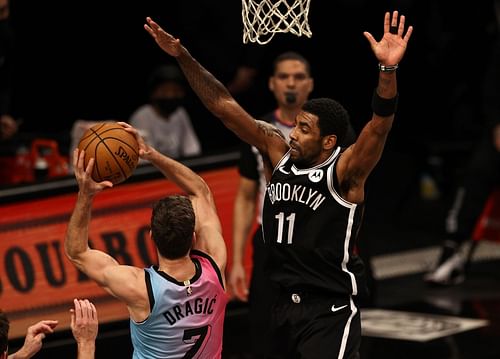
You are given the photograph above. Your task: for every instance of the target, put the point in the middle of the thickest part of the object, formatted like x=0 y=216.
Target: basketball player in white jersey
x=314 y=199
x=176 y=307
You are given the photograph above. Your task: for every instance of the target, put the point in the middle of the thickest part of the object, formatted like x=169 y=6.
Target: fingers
x=391 y=23
x=394 y=21
x=387 y=22
x=78 y=159
x=370 y=38
x=408 y=33
x=90 y=166
x=84 y=323
x=401 y=27
x=395 y=24
x=129 y=128
x=94 y=312
x=106 y=184
x=84 y=311
x=39 y=337
x=50 y=323
x=78 y=309
x=73 y=319
x=241 y=294
x=151 y=27
x=240 y=289
x=75 y=157
x=124 y=124
x=89 y=312
x=84 y=176
x=38 y=330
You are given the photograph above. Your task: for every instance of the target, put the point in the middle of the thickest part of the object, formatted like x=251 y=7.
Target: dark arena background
x=90 y=60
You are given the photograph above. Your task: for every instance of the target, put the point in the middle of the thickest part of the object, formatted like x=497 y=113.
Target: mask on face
x=166 y=105
x=290 y=97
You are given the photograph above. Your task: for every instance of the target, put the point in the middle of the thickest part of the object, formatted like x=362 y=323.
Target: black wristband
x=384 y=106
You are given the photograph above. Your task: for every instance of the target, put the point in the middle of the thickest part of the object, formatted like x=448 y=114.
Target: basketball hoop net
x=262 y=19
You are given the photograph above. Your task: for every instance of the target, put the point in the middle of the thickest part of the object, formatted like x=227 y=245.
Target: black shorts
x=314 y=326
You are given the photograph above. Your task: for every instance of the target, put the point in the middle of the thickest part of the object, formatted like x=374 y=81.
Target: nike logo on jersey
x=336 y=309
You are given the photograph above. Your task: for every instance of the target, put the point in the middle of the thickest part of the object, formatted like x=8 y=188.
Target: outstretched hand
x=391 y=48
x=34 y=338
x=84 y=322
x=167 y=42
x=83 y=175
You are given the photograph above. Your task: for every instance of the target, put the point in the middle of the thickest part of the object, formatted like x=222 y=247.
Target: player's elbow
x=73 y=253
x=75 y=257
x=203 y=191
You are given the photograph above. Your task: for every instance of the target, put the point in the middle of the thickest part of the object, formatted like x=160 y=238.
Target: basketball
x=116 y=152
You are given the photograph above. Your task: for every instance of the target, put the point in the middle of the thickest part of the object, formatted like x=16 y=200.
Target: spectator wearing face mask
x=164 y=121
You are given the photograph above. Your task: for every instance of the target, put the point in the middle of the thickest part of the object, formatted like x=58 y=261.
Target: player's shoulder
x=207 y=261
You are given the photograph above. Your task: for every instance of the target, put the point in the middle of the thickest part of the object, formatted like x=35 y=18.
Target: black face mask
x=290 y=97
x=166 y=105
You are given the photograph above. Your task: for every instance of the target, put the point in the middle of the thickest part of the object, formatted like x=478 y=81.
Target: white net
x=262 y=19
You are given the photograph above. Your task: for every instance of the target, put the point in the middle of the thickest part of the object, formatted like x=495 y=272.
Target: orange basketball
x=115 y=150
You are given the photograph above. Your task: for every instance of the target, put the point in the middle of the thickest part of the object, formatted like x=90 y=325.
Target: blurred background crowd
x=92 y=61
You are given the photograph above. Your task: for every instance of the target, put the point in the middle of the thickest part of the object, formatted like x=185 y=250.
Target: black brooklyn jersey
x=310 y=230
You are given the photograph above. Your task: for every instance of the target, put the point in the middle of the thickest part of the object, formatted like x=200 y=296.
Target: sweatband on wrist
x=384 y=106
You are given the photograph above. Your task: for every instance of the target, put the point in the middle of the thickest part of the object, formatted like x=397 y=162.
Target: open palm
x=167 y=42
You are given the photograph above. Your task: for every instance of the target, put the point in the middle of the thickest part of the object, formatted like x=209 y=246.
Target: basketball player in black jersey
x=314 y=198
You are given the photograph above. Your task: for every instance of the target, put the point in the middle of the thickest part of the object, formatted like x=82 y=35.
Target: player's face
x=291 y=83
x=305 y=140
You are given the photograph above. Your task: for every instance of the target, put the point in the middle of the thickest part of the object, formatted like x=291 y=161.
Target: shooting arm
x=208 y=228
x=120 y=281
x=76 y=245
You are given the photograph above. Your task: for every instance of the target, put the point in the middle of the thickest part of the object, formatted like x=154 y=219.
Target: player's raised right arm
x=217 y=98
x=208 y=227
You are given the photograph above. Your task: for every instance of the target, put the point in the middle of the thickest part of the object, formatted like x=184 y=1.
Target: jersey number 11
x=281 y=224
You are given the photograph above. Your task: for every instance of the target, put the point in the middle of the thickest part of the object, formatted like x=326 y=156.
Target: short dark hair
x=291 y=55
x=4 y=332
x=172 y=226
x=333 y=118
